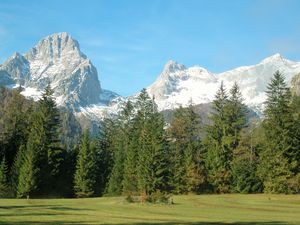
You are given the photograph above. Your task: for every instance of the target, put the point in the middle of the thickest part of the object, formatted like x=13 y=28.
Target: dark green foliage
x=244 y=164
x=219 y=153
x=228 y=118
x=118 y=157
x=141 y=164
x=278 y=160
x=236 y=116
x=30 y=182
x=152 y=161
x=28 y=176
x=85 y=175
x=104 y=155
x=4 y=185
x=51 y=126
x=70 y=130
x=115 y=181
x=187 y=156
x=14 y=122
x=130 y=134
x=15 y=170
x=138 y=156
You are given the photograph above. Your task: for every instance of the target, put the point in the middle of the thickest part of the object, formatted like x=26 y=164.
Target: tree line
x=138 y=154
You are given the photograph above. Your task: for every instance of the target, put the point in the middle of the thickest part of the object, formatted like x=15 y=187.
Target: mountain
x=178 y=85
x=58 y=60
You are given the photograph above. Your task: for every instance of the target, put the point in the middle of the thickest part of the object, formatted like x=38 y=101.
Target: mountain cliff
x=57 y=60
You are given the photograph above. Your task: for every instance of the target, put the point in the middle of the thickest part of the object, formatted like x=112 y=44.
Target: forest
x=45 y=153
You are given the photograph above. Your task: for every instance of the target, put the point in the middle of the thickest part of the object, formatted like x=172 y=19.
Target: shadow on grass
x=16 y=211
x=53 y=207
x=52 y=210
x=158 y=223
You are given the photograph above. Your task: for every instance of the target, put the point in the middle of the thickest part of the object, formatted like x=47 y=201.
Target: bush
x=160 y=197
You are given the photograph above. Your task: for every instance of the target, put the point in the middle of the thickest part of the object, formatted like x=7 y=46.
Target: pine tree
x=116 y=177
x=104 y=155
x=218 y=150
x=4 y=185
x=223 y=136
x=152 y=169
x=14 y=117
x=236 y=114
x=31 y=176
x=244 y=164
x=16 y=167
x=55 y=153
x=185 y=144
x=160 y=151
x=194 y=157
x=120 y=150
x=130 y=134
x=177 y=135
x=28 y=176
x=85 y=175
x=276 y=165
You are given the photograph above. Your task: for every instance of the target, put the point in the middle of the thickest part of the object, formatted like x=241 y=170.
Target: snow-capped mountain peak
x=177 y=86
x=57 y=59
x=56 y=47
x=172 y=66
x=273 y=59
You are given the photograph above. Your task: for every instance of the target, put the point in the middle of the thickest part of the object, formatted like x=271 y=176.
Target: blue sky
x=130 y=41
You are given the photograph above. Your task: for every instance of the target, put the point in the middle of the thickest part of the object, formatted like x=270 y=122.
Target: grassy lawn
x=188 y=210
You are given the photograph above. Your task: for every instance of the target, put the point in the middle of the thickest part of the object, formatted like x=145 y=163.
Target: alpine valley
x=58 y=60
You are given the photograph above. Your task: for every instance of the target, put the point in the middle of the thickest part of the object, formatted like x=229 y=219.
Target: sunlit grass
x=189 y=209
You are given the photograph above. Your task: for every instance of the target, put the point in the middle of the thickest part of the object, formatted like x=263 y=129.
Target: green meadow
x=187 y=209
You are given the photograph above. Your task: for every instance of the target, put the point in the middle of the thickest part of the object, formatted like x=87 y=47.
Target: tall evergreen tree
x=276 y=161
x=228 y=118
x=104 y=155
x=185 y=144
x=16 y=167
x=245 y=162
x=236 y=115
x=178 y=142
x=120 y=149
x=4 y=184
x=218 y=149
x=14 y=118
x=130 y=136
x=30 y=181
x=55 y=153
x=152 y=169
x=85 y=175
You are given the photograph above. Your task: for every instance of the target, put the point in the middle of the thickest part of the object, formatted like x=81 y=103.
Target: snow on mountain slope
x=57 y=60
x=178 y=85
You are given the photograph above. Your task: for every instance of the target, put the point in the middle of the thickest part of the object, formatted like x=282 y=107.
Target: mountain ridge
x=57 y=59
x=200 y=85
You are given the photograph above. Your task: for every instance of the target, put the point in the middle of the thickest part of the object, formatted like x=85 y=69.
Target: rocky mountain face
x=57 y=60
x=178 y=85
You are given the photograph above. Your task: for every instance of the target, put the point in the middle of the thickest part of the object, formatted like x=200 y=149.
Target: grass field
x=188 y=210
